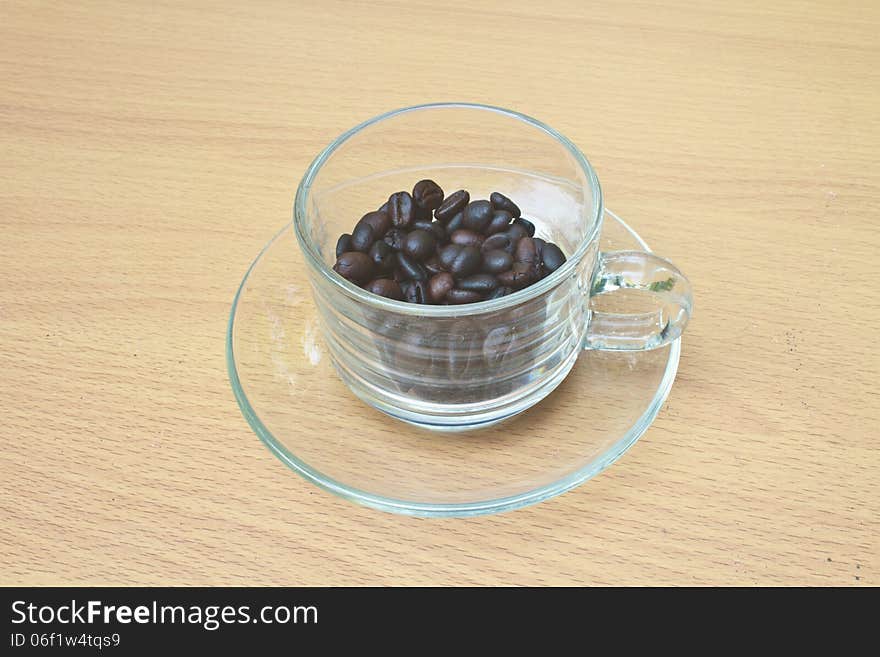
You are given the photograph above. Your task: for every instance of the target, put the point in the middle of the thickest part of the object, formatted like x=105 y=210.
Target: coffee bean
x=434 y=227
x=500 y=222
x=481 y=283
x=467 y=262
x=433 y=265
x=448 y=254
x=439 y=285
x=385 y=287
x=420 y=214
x=401 y=209
x=379 y=221
x=461 y=353
x=362 y=238
x=343 y=244
x=518 y=276
x=454 y=224
x=516 y=231
x=528 y=225
x=457 y=295
x=473 y=250
x=498 y=343
x=415 y=291
x=501 y=202
x=499 y=242
x=553 y=258
x=477 y=215
x=394 y=238
x=407 y=349
x=525 y=251
x=499 y=292
x=355 y=266
x=539 y=247
x=465 y=237
x=497 y=261
x=427 y=194
x=419 y=245
x=383 y=257
x=411 y=268
x=452 y=205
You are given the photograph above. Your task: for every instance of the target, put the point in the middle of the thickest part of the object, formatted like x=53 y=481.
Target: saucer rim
x=466 y=509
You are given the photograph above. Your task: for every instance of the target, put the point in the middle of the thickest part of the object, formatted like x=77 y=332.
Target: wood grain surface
x=149 y=150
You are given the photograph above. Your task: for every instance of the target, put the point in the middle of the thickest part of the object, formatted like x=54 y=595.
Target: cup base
x=453 y=417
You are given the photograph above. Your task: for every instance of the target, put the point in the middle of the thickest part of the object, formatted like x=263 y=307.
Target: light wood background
x=148 y=151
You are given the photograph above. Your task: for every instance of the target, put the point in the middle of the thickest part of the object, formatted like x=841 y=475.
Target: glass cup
x=461 y=367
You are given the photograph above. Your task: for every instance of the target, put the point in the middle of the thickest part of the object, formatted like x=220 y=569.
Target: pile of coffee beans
x=468 y=251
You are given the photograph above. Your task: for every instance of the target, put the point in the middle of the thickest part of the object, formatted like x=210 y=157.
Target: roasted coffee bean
x=481 y=283
x=467 y=262
x=539 y=247
x=385 y=287
x=497 y=261
x=454 y=224
x=472 y=250
x=415 y=291
x=439 y=285
x=528 y=225
x=518 y=276
x=433 y=265
x=355 y=266
x=499 y=292
x=501 y=202
x=411 y=268
x=465 y=237
x=379 y=221
x=439 y=231
x=498 y=343
x=452 y=205
x=434 y=227
x=516 y=231
x=419 y=245
x=465 y=354
x=383 y=257
x=457 y=295
x=401 y=209
x=343 y=244
x=427 y=194
x=408 y=353
x=362 y=237
x=394 y=238
x=499 y=242
x=448 y=254
x=477 y=215
x=553 y=258
x=525 y=251
x=500 y=222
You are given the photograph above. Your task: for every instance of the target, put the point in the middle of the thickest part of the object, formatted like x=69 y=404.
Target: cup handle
x=656 y=282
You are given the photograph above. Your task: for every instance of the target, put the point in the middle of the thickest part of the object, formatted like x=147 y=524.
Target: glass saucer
x=293 y=399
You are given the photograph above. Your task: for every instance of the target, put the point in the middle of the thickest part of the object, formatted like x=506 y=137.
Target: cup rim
x=423 y=310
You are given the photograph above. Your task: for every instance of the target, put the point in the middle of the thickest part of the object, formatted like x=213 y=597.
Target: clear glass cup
x=462 y=367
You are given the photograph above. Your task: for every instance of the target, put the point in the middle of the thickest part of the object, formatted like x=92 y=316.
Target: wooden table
x=149 y=150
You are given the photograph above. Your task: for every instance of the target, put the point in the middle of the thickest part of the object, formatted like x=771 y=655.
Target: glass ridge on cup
x=461 y=367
